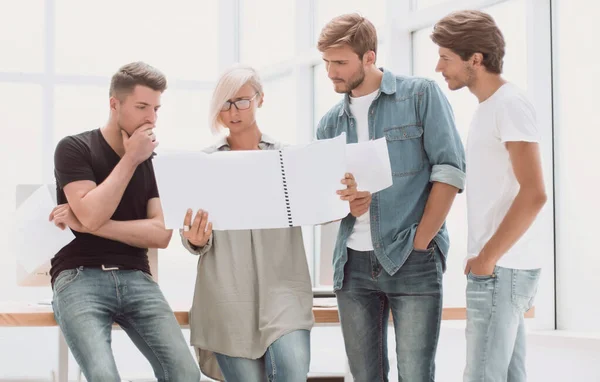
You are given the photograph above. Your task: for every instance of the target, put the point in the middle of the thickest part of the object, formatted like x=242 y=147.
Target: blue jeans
x=286 y=360
x=495 y=332
x=413 y=294
x=88 y=301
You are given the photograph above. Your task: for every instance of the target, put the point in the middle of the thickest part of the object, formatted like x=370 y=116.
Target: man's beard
x=355 y=81
x=469 y=77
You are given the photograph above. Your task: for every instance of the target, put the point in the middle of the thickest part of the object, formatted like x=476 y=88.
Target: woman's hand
x=197 y=233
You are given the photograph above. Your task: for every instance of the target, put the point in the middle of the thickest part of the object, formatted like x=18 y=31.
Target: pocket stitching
x=475 y=277
x=389 y=137
x=388 y=133
x=148 y=277
x=68 y=281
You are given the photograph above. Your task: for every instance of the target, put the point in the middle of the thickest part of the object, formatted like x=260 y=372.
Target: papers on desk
x=290 y=187
x=37 y=239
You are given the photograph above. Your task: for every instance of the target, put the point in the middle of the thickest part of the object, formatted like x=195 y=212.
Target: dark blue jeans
x=414 y=296
x=88 y=301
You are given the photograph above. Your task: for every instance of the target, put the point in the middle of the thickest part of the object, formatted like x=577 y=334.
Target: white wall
x=577 y=133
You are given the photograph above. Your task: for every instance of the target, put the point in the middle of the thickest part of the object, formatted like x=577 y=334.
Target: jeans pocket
x=480 y=278
x=424 y=254
x=525 y=284
x=481 y=292
x=427 y=251
x=147 y=276
x=64 y=279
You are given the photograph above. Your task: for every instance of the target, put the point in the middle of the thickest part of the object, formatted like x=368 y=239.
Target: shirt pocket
x=405 y=146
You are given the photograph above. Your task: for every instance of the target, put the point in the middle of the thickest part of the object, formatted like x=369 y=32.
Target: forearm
x=436 y=210
x=99 y=204
x=516 y=222
x=143 y=233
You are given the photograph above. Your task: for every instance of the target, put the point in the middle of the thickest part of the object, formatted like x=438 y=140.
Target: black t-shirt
x=88 y=156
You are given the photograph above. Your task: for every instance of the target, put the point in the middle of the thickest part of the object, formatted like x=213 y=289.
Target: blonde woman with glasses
x=252 y=311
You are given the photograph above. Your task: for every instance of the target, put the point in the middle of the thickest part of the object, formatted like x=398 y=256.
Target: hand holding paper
x=32 y=218
x=297 y=185
x=349 y=193
x=63 y=217
x=361 y=204
x=257 y=189
x=197 y=232
x=369 y=162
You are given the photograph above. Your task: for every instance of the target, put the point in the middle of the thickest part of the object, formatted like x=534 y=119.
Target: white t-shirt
x=360 y=239
x=491 y=183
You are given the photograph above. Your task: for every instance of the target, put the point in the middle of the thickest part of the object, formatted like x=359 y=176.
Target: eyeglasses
x=240 y=104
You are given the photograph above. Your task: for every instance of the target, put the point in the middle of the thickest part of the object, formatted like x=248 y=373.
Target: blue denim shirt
x=424 y=147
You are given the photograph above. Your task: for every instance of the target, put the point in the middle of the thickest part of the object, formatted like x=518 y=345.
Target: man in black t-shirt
x=108 y=197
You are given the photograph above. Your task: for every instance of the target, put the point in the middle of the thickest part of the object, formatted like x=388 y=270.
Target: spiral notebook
x=290 y=187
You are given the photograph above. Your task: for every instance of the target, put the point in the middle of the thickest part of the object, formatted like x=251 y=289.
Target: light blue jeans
x=88 y=301
x=495 y=331
x=286 y=360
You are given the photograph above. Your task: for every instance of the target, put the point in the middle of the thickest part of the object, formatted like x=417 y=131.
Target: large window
x=278 y=114
x=22 y=37
x=95 y=38
x=422 y=4
x=577 y=132
x=266 y=40
x=326 y=10
x=21 y=156
x=78 y=108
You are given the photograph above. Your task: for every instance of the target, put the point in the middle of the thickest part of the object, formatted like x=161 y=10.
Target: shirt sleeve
x=516 y=121
x=72 y=162
x=441 y=139
x=152 y=186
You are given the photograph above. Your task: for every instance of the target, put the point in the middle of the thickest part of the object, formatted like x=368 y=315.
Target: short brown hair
x=351 y=29
x=136 y=73
x=470 y=32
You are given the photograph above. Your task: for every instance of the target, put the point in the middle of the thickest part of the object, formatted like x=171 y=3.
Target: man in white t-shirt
x=505 y=193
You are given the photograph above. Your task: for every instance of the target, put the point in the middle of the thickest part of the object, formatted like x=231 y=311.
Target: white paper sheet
x=37 y=239
x=314 y=174
x=369 y=162
x=244 y=189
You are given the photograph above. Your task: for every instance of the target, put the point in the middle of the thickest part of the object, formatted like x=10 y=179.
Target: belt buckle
x=104 y=268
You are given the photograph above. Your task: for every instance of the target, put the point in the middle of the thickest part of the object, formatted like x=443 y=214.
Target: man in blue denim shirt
x=390 y=251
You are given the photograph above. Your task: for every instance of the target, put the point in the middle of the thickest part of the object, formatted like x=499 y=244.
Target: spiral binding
x=285 y=190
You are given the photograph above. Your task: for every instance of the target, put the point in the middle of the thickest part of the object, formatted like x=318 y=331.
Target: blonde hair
x=230 y=82
x=351 y=29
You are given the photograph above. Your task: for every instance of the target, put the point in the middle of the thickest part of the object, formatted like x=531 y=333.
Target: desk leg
x=63 y=358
